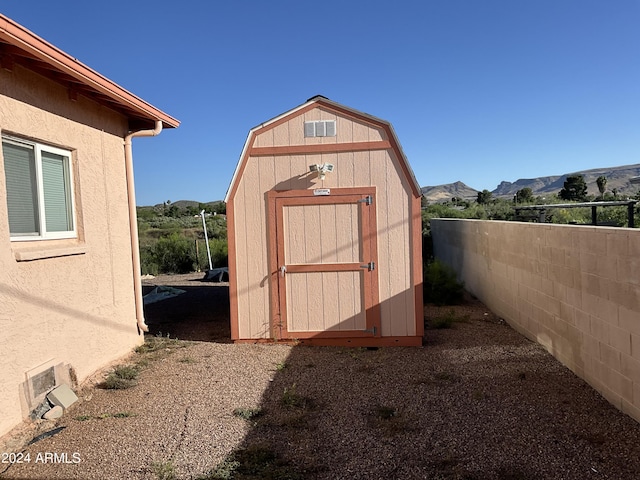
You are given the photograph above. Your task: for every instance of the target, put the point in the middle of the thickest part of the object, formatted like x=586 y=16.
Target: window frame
x=41 y=224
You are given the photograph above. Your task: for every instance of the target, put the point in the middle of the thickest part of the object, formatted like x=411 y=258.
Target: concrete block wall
x=573 y=289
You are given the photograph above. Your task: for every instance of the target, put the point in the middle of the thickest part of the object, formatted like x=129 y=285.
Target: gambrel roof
x=320 y=101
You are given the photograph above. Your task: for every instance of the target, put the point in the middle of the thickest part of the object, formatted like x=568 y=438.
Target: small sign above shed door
x=326 y=249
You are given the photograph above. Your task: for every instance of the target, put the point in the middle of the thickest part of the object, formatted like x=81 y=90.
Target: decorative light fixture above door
x=321 y=169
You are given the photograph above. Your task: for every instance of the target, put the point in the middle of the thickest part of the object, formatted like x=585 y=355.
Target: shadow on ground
x=199 y=314
x=478 y=402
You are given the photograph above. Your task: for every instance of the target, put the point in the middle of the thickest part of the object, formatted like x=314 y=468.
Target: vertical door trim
x=277 y=199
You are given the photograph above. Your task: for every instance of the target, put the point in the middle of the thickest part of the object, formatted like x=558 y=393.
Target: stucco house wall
x=75 y=306
x=276 y=158
x=64 y=303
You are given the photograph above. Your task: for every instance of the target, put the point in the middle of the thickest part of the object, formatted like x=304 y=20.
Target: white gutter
x=133 y=221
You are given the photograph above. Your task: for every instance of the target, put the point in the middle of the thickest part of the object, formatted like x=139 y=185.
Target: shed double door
x=326 y=279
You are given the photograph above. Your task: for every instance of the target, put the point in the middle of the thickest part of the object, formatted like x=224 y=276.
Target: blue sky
x=477 y=90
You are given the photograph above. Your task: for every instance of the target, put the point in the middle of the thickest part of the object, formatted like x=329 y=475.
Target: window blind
x=22 y=198
x=56 y=197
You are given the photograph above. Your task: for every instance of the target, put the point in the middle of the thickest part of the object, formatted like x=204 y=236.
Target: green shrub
x=447 y=320
x=164 y=470
x=216 y=227
x=293 y=400
x=148 y=263
x=127 y=372
x=158 y=343
x=254 y=461
x=173 y=254
x=248 y=413
x=173 y=241
x=219 y=253
x=441 y=285
x=122 y=377
x=443 y=321
x=616 y=216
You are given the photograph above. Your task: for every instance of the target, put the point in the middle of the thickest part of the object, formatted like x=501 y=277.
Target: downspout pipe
x=133 y=221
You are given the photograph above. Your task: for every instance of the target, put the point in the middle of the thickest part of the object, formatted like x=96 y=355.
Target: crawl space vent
x=43 y=382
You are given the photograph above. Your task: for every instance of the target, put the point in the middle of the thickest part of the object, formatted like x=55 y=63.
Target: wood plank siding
x=276 y=158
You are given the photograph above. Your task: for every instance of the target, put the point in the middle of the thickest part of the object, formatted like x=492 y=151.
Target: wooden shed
x=325 y=235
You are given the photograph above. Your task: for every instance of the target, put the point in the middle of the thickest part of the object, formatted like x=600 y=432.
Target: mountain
x=617 y=177
x=441 y=193
x=182 y=204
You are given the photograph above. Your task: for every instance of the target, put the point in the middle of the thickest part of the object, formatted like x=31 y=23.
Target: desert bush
x=122 y=377
x=617 y=216
x=446 y=320
x=177 y=254
x=570 y=215
x=168 y=243
x=168 y=223
x=174 y=254
x=219 y=253
x=248 y=413
x=254 y=461
x=148 y=264
x=216 y=226
x=441 y=285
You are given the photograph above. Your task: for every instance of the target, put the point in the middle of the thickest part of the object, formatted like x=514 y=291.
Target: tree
x=602 y=185
x=173 y=212
x=459 y=202
x=524 y=195
x=575 y=189
x=191 y=210
x=219 y=208
x=484 y=197
x=146 y=213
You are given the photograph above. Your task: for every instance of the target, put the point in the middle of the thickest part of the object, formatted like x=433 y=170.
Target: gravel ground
x=478 y=401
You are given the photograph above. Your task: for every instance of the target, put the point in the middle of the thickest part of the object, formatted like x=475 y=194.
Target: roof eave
x=18 y=36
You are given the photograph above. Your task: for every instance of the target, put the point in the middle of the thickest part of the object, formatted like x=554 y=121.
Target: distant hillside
x=189 y=203
x=441 y=193
x=617 y=177
x=182 y=204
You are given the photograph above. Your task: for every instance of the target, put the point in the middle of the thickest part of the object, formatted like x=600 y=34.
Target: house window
x=39 y=190
x=321 y=128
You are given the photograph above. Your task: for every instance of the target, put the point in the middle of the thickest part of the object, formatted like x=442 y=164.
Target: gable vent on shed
x=320 y=128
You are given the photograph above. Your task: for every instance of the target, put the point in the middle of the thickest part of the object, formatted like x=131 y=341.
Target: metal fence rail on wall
x=573 y=289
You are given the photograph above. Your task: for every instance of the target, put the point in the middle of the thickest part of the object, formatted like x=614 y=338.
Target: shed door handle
x=283 y=270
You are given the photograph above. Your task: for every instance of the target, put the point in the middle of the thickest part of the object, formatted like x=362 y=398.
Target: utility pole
x=206 y=239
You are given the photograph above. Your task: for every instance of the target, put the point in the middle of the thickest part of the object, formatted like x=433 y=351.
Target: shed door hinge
x=370 y=266
x=368 y=200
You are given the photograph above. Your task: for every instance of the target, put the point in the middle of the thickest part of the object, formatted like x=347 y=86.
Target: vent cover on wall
x=43 y=382
x=320 y=128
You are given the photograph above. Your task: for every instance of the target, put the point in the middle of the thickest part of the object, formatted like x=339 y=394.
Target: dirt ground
x=200 y=314
x=476 y=402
